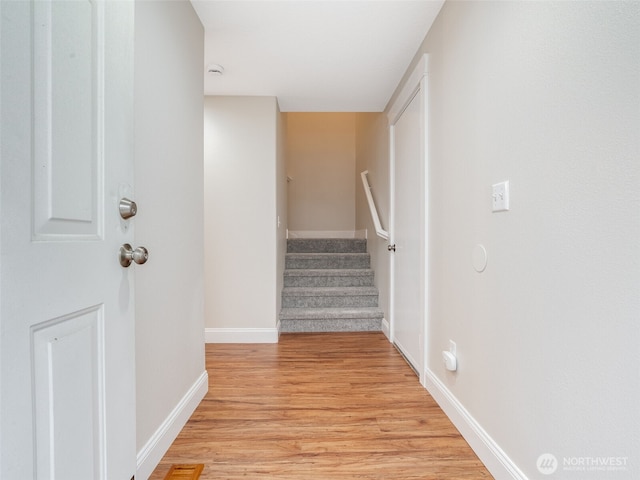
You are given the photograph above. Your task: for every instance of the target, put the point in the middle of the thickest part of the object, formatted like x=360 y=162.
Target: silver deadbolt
x=128 y=208
x=127 y=255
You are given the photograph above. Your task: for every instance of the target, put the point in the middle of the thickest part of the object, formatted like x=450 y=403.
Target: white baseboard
x=241 y=335
x=153 y=451
x=489 y=452
x=386 y=328
x=324 y=234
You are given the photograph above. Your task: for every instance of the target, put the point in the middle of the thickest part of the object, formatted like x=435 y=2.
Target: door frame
x=416 y=83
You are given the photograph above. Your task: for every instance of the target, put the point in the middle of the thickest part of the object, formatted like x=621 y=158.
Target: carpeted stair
x=328 y=287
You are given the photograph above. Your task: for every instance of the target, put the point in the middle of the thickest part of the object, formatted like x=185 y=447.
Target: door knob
x=391 y=248
x=128 y=208
x=127 y=255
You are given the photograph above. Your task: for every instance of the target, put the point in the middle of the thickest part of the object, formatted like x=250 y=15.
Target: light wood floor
x=319 y=406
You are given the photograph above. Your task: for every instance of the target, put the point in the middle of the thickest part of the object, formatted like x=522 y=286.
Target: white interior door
x=408 y=219
x=408 y=237
x=67 y=404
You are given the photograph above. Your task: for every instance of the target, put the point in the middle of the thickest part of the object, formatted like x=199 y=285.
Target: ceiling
x=313 y=55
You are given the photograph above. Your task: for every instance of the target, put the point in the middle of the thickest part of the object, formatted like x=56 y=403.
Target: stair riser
x=334 y=261
x=326 y=245
x=328 y=281
x=330 y=301
x=350 y=325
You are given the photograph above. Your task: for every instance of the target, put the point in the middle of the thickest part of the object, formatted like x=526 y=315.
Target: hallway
x=319 y=406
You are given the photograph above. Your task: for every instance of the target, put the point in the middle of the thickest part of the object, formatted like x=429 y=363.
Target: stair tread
x=325 y=325
x=333 y=261
x=331 y=313
x=329 y=291
x=328 y=272
x=326 y=245
x=325 y=254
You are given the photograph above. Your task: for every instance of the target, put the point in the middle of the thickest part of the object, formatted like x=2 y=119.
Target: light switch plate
x=500 y=197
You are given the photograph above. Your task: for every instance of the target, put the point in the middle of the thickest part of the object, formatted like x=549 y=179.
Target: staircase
x=328 y=287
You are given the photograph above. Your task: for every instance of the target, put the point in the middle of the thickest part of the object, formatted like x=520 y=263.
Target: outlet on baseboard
x=452 y=347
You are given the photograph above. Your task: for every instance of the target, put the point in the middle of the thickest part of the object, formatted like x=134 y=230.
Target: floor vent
x=185 y=472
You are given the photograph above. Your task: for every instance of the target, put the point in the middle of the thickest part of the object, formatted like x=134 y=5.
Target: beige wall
x=545 y=95
x=244 y=245
x=281 y=201
x=321 y=163
x=372 y=153
x=169 y=194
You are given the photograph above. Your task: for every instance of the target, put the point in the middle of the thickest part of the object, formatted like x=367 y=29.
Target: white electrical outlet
x=500 y=197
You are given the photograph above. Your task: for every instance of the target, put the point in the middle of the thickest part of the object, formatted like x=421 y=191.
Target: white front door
x=408 y=224
x=67 y=398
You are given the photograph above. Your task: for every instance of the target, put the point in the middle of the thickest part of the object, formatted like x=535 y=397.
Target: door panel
x=67 y=402
x=67 y=108
x=408 y=233
x=67 y=373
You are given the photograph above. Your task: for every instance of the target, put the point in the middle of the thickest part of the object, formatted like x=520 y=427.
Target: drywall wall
x=171 y=377
x=243 y=155
x=321 y=166
x=281 y=205
x=547 y=96
x=372 y=153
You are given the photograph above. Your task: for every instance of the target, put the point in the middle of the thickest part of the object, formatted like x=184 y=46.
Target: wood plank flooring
x=317 y=407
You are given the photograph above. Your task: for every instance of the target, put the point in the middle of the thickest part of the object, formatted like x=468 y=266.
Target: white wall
x=321 y=163
x=244 y=254
x=171 y=378
x=547 y=96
